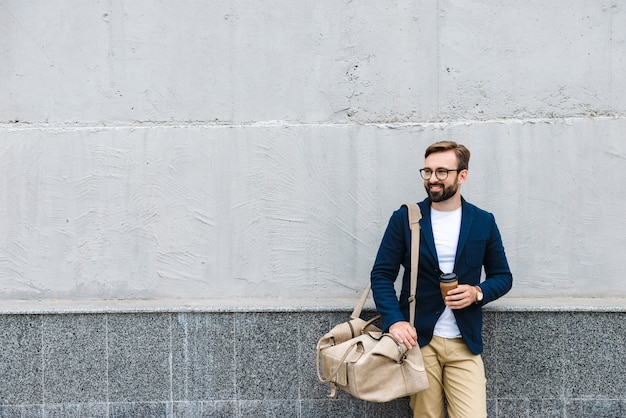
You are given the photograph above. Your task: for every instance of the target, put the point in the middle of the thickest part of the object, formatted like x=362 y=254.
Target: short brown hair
x=462 y=153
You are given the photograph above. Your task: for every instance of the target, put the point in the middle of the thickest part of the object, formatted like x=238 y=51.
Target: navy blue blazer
x=480 y=245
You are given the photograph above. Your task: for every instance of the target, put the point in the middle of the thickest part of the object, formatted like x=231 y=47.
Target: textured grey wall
x=228 y=151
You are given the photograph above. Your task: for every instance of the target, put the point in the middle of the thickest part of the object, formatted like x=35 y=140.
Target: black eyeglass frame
x=425 y=176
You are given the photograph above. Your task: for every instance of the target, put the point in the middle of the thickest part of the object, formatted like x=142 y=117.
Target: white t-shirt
x=446 y=230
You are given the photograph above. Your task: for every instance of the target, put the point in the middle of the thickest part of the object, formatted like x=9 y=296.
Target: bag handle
x=333 y=373
x=415 y=214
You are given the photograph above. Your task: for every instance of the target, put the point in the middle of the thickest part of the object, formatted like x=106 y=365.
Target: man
x=458 y=237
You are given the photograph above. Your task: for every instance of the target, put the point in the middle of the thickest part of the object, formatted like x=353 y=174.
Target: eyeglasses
x=440 y=173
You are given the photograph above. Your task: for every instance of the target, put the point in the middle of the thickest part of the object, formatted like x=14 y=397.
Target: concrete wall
x=184 y=184
x=226 y=150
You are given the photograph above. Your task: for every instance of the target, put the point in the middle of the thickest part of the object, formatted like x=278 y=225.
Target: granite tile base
x=208 y=409
x=251 y=364
x=26 y=411
x=21 y=359
x=139 y=358
x=75 y=359
x=68 y=410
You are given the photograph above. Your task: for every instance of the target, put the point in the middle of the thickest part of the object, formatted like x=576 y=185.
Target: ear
x=463 y=176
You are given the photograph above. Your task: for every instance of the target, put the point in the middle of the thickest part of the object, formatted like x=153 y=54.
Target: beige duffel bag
x=359 y=359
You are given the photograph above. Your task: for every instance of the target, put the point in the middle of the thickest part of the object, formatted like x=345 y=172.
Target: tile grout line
x=43 y=366
x=497 y=362
x=106 y=355
x=235 y=381
x=171 y=363
x=299 y=361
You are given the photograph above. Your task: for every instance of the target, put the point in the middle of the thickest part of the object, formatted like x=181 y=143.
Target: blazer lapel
x=427 y=230
x=467 y=218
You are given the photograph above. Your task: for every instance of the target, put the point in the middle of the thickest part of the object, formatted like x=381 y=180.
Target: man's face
x=441 y=190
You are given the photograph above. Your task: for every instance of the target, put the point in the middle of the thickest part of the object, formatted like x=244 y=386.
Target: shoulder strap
x=415 y=214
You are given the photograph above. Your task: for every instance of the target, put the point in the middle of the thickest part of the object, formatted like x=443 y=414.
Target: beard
x=444 y=194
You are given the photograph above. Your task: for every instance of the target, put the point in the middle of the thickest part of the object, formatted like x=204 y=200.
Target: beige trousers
x=455 y=373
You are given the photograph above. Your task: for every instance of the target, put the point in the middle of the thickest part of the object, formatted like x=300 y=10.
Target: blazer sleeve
x=498 y=277
x=392 y=254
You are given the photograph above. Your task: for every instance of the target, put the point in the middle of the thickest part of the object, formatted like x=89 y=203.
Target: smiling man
x=456 y=237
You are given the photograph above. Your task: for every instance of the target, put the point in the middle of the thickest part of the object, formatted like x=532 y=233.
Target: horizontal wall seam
x=102 y=126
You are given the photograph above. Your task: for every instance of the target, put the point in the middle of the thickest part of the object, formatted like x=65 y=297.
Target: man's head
x=445 y=169
x=462 y=153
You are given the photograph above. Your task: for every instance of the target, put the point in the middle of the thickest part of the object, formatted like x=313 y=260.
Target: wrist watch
x=479 y=295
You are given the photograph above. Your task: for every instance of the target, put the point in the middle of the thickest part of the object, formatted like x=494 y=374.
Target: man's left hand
x=461 y=297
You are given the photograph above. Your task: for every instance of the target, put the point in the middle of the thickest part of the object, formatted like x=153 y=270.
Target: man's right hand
x=404 y=333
